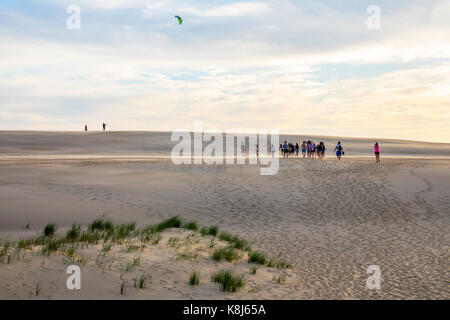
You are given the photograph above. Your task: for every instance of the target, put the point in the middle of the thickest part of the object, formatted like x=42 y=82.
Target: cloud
x=231 y=64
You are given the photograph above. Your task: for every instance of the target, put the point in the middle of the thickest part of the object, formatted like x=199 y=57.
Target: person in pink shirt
x=377 y=152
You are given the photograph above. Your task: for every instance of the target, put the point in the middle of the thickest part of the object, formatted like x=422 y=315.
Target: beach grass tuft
x=194 y=279
x=191 y=225
x=101 y=225
x=123 y=288
x=227 y=253
x=257 y=257
x=74 y=233
x=49 y=229
x=211 y=231
x=229 y=280
x=142 y=280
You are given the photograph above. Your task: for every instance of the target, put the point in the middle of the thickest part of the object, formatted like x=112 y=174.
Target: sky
x=303 y=67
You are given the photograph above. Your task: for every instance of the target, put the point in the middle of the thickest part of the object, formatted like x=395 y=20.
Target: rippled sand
x=331 y=219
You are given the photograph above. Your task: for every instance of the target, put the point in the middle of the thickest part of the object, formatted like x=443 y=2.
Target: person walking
x=339 y=150
x=104 y=126
x=376 y=148
x=304 y=149
x=85 y=127
x=285 y=150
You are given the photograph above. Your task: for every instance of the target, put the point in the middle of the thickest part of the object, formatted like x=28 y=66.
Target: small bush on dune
x=229 y=280
x=49 y=229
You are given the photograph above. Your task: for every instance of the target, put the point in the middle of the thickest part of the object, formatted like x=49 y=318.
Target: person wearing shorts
x=304 y=149
x=376 y=148
x=339 y=150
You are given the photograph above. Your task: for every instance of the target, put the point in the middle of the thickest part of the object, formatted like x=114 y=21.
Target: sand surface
x=330 y=219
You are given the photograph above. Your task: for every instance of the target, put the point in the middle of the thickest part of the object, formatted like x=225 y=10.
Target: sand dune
x=38 y=143
x=330 y=219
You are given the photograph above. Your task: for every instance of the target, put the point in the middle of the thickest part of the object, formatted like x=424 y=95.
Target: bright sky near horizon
x=306 y=67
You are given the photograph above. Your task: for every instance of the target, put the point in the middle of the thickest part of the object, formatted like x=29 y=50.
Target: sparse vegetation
x=191 y=225
x=49 y=229
x=257 y=257
x=174 y=222
x=37 y=289
x=228 y=280
x=194 y=279
x=136 y=261
x=51 y=246
x=211 y=231
x=253 y=269
x=123 y=288
x=101 y=225
x=142 y=280
x=227 y=253
x=74 y=233
x=279 y=279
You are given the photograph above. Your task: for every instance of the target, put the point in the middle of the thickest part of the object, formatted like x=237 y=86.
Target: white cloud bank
x=232 y=65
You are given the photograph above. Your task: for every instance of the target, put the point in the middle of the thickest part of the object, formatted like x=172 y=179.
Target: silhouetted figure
x=85 y=127
x=104 y=126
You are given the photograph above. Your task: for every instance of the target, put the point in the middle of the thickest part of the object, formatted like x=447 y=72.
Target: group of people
x=312 y=150
x=309 y=149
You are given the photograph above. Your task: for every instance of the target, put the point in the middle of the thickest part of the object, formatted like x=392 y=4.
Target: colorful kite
x=180 y=21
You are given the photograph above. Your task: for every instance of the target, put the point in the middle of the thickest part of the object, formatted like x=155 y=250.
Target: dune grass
x=74 y=233
x=228 y=280
x=194 y=278
x=49 y=229
x=101 y=225
x=227 y=253
x=123 y=288
x=107 y=233
x=257 y=257
x=191 y=225
x=142 y=280
x=210 y=231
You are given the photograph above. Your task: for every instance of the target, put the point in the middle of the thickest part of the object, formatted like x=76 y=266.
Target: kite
x=180 y=21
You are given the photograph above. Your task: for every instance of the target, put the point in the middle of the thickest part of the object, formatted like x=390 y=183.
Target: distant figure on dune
x=339 y=150
x=104 y=126
x=377 y=152
x=85 y=127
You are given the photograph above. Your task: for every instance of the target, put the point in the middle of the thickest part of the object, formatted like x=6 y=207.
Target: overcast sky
x=306 y=67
